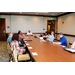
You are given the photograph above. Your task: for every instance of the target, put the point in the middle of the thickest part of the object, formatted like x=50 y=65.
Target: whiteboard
x=25 y=23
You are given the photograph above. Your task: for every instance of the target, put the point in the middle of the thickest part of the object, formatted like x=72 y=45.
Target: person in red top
x=21 y=39
x=21 y=36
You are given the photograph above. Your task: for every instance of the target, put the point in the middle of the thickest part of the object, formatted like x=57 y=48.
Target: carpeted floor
x=4 y=53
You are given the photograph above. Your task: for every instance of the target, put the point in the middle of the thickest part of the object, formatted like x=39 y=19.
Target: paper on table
x=41 y=38
x=25 y=41
x=56 y=42
x=63 y=46
x=30 y=48
x=27 y=44
x=34 y=53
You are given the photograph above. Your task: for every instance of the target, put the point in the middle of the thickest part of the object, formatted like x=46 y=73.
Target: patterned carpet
x=4 y=53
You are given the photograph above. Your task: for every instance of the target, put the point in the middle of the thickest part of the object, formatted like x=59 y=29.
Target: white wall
x=24 y=23
x=68 y=27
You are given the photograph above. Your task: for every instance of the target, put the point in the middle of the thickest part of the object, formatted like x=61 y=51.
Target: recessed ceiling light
x=36 y=13
x=20 y=12
x=52 y=14
x=42 y=12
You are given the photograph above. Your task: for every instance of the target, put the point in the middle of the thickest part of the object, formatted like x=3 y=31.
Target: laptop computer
x=70 y=50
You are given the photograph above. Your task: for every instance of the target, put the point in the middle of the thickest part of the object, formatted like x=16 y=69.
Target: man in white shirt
x=29 y=32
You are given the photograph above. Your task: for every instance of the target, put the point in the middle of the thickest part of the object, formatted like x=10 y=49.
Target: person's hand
x=48 y=37
x=23 y=35
x=23 y=39
x=43 y=36
x=19 y=42
x=18 y=51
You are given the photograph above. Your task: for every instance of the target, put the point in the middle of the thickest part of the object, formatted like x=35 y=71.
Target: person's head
x=19 y=32
x=60 y=35
x=29 y=31
x=10 y=34
x=46 y=33
x=15 y=37
x=52 y=33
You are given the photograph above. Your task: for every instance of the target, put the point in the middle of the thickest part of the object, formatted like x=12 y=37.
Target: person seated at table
x=63 y=40
x=50 y=37
x=21 y=39
x=73 y=45
x=15 y=41
x=46 y=34
x=9 y=39
x=29 y=32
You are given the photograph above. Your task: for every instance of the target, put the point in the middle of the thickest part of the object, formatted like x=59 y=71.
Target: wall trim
x=65 y=14
x=26 y=33
x=35 y=15
x=27 y=15
x=67 y=34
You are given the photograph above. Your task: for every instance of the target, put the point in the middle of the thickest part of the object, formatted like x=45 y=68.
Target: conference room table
x=48 y=52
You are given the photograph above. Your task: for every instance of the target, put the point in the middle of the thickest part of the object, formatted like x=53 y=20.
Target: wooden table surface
x=49 y=52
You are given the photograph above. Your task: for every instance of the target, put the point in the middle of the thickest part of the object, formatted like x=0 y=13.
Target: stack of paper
x=25 y=41
x=63 y=46
x=30 y=48
x=27 y=44
x=56 y=42
x=44 y=41
x=34 y=53
x=41 y=38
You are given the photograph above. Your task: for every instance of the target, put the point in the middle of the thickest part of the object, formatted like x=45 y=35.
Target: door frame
x=54 y=25
x=5 y=26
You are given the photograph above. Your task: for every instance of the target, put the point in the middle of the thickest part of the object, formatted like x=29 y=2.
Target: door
x=50 y=26
x=2 y=30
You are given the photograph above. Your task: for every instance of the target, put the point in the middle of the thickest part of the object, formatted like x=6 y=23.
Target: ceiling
x=37 y=13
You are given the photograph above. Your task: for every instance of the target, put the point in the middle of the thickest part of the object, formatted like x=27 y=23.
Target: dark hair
x=46 y=33
x=19 y=32
x=60 y=33
x=15 y=37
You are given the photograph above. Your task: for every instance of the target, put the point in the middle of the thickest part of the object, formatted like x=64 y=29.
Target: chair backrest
x=9 y=48
x=68 y=44
x=15 y=54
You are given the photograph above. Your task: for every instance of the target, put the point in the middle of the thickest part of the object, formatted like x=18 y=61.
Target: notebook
x=30 y=48
x=34 y=53
x=70 y=50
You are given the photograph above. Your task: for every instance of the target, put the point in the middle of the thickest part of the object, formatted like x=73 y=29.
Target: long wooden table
x=49 y=52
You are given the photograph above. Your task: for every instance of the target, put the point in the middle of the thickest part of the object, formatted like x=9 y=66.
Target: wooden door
x=2 y=30
x=50 y=26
